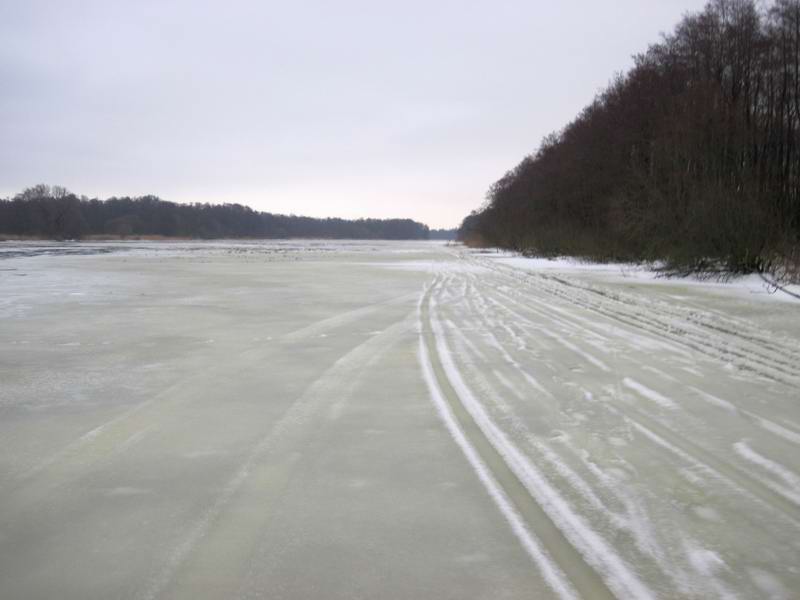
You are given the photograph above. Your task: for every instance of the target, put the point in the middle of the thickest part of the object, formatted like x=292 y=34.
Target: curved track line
x=345 y=372
x=104 y=440
x=552 y=574
x=591 y=565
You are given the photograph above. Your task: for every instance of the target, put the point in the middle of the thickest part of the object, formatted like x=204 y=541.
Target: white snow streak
x=646 y=392
x=552 y=574
x=791 y=489
x=600 y=555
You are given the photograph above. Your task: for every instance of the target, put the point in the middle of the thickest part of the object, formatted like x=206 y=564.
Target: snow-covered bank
x=748 y=285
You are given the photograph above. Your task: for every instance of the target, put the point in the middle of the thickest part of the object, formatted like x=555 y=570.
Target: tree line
x=691 y=158
x=53 y=212
x=443 y=234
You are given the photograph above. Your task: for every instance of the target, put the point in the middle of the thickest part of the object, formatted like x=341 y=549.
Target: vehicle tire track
x=245 y=488
x=595 y=570
x=96 y=448
x=768 y=357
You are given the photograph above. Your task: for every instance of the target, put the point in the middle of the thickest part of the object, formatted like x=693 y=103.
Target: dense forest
x=691 y=158
x=53 y=212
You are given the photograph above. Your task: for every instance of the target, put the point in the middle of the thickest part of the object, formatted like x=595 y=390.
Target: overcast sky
x=345 y=108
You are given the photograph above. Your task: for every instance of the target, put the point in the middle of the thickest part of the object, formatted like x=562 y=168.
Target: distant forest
x=691 y=158
x=53 y=212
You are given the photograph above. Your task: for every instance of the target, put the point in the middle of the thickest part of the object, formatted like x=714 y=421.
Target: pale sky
x=324 y=108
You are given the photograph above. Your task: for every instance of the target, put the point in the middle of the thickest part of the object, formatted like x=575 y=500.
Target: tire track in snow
x=681 y=580
x=767 y=424
x=591 y=564
x=691 y=330
x=551 y=572
x=669 y=437
x=115 y=436
x=617 y=510
x=495 y=343
x=789 y=487
x=727 y=342
x=717 y=468
x=590 y=358
x=650 y=394
x=598 y=328
x=342 y=376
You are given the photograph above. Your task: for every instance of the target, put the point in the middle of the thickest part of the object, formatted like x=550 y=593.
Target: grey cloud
x=352 y=108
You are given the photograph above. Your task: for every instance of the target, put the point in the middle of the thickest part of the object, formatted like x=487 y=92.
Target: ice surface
x=312 y=419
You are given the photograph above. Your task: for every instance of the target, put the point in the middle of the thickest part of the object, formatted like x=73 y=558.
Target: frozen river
x=314 y=420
